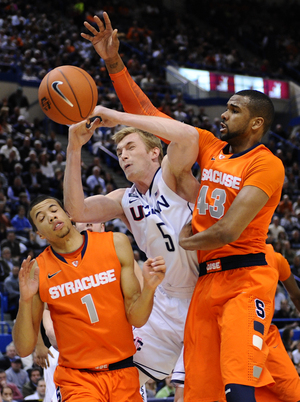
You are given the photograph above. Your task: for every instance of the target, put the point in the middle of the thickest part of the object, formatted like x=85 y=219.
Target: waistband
x=113 y=366
x=232 y=262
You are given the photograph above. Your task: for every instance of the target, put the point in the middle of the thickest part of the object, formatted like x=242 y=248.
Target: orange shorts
x=228 y=320
x=280 y=365
x=106 y=386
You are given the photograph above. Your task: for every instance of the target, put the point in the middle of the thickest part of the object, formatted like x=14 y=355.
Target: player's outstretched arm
x=138 y=303
x=168 y=129
x=27 y=325
x=92 y=209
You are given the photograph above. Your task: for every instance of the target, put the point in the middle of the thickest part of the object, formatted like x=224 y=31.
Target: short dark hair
x=38 y=200
x=259 y=105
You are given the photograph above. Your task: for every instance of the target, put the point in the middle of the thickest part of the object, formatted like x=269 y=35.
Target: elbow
x=137 y=323
x=23 y=351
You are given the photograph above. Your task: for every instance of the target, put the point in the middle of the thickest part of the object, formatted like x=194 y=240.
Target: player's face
x=134 y=159
x=92 y=227
x=236 y=120
x=51 y=220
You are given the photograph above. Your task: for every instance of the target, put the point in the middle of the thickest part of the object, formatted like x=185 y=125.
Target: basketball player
x=88 y=283
x=48 y=358
x=245 y=174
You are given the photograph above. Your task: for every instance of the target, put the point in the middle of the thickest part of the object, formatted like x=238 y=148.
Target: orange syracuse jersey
x=222 y=177
x=86 y=304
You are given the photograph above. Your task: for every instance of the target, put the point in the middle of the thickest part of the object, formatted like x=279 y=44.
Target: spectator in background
x=11 y=286
x=6 y=256
x=59 y=162
x=295 y=239
x=279 y=297
x=275 y=228
x=8 y=147
x=95 y=179
x=10 y=353
x=20 y=222
x=285 y=205
x=287 y=338
x=36 y=182
x=29 y=387
x=7 y=394
x=285 y=311
x=16 y=247
x=31 y=159
x=16 y=394
x=18 y=99
x=39 y=394
x=16 y=374
x=14 y=190
x=25 y=148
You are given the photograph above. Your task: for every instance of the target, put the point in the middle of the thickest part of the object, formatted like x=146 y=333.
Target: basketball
x=67 y=95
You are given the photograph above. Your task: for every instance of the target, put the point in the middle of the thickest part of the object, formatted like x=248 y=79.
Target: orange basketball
x=68 y=94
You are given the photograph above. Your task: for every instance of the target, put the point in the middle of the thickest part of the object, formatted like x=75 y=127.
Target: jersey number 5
x=217 y=210
x=169 y=242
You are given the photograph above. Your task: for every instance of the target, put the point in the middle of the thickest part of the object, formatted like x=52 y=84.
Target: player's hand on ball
x=154 y=270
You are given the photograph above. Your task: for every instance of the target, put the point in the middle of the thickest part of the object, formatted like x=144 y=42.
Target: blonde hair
x=148 y=139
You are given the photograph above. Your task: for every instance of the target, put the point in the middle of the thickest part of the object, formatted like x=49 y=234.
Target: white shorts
x=178 y=374
x=48 y=376
x=159 y=342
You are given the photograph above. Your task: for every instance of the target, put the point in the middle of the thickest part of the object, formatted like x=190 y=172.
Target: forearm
x=131 y=96
x=209 y=239
x=167 y=129
x=25 y=333
x=73 y=191
x=141 y=308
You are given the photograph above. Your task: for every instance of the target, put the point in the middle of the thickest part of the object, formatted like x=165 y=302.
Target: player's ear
x=257 y=123
x=40 y=235
x=155 y=152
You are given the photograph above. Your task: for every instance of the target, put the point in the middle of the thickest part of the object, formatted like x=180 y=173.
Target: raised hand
x=28 y=279
x=105 y=40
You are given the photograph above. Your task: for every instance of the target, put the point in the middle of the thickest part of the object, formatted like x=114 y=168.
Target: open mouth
x=223 y=127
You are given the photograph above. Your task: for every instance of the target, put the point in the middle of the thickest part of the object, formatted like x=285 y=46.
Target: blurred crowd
x=37 y=37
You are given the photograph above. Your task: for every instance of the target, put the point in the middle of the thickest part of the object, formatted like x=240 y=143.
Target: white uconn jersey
x=156 y=219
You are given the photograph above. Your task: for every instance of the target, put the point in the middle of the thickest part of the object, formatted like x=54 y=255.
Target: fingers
x=158 y=264
x=50 y=353
x=106 y=20
x=90 y=122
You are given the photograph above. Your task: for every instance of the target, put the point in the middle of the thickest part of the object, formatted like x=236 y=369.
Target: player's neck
x=69 y=243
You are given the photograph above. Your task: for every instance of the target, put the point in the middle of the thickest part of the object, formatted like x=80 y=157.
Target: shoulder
x=120 y=239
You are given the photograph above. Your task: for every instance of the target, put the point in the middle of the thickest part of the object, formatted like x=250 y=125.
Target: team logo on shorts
x=213 y=266
x=138 y=343
x=260 y=309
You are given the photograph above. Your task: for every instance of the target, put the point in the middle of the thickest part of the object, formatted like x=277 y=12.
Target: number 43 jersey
x=223 y=175
x=156 y=219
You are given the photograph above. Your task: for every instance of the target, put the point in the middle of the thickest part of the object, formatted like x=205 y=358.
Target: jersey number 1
x=89 y=303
